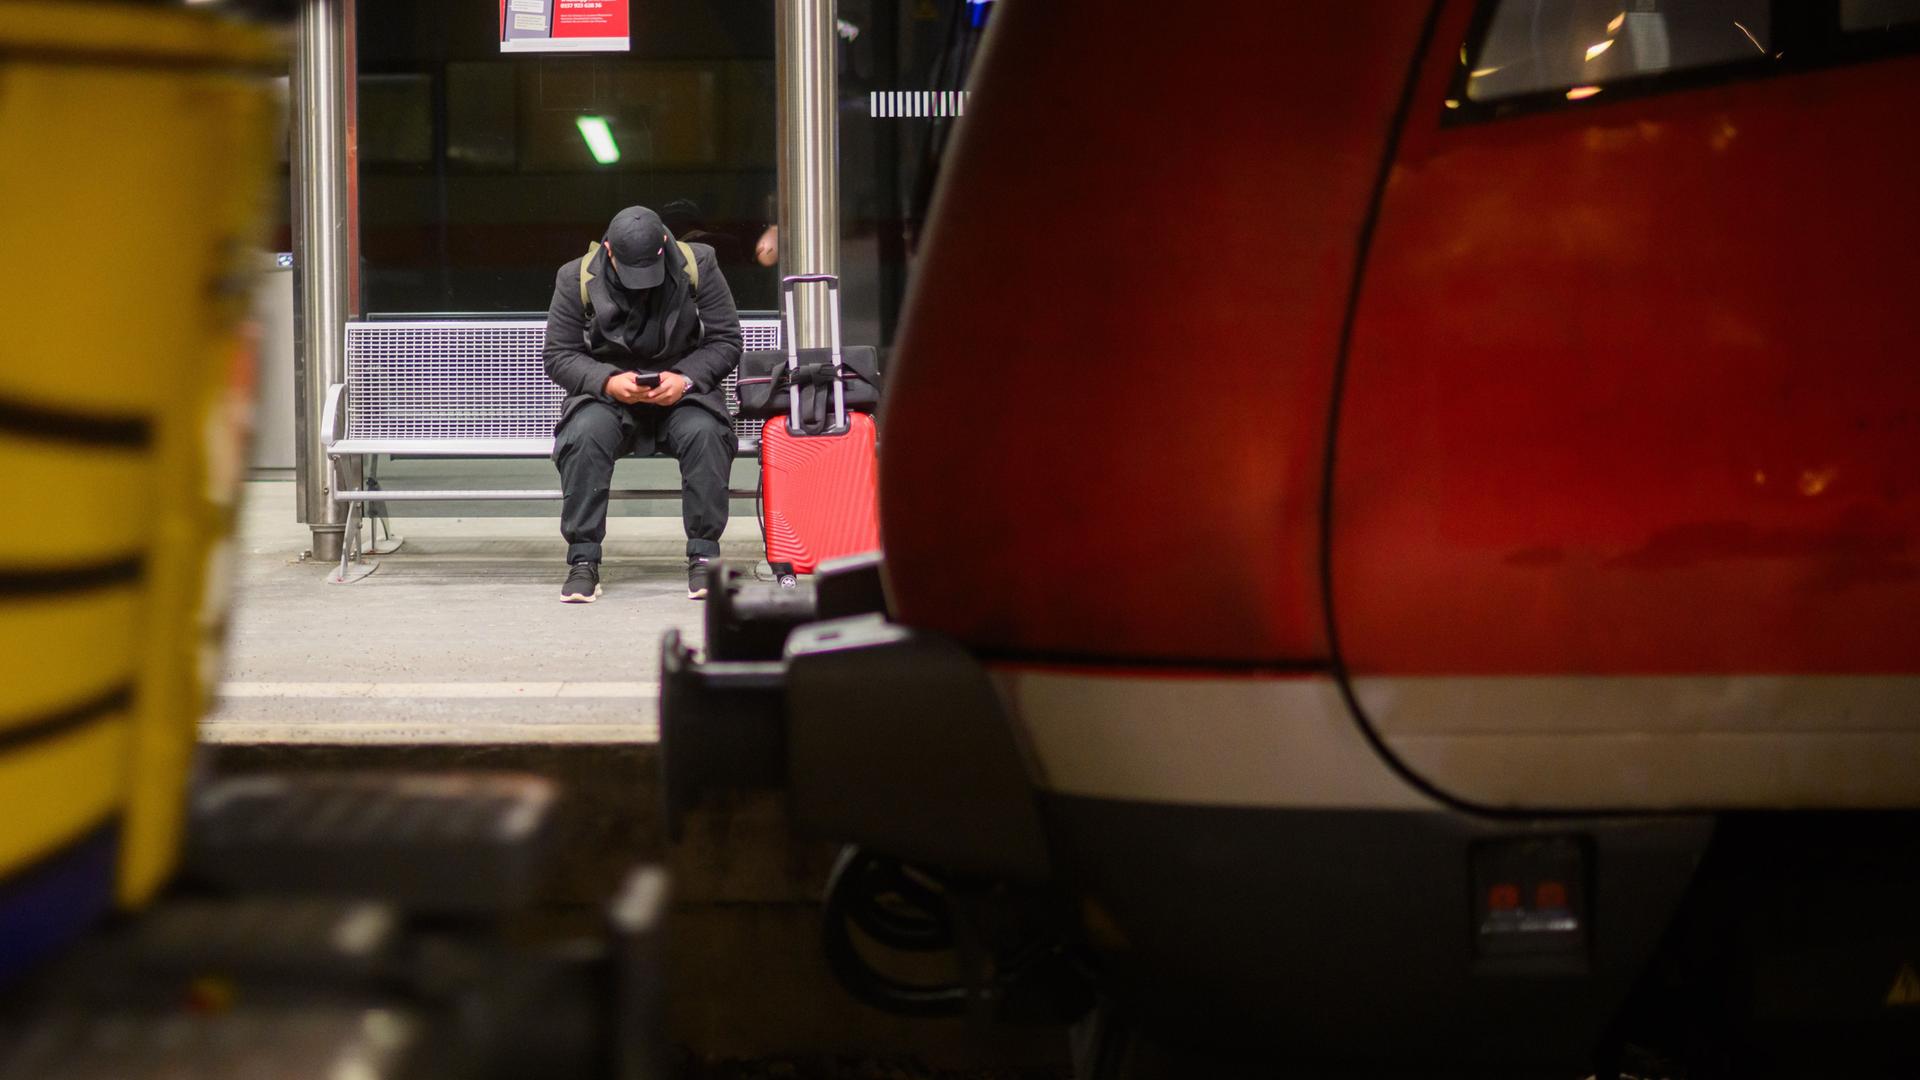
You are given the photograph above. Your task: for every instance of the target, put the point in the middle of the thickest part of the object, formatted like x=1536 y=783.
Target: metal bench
x=459 y=388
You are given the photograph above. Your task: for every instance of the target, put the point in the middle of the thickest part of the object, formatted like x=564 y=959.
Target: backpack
x=693 y=291
x=686 y=252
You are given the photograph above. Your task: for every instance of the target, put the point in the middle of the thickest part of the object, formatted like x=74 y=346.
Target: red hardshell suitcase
x=820 y=492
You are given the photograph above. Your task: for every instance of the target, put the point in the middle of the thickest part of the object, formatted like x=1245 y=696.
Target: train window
x=1865 y=15
x=1580 y=47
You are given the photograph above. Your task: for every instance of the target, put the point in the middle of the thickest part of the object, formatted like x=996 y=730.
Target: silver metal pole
x=319 y=254
x=809 y=156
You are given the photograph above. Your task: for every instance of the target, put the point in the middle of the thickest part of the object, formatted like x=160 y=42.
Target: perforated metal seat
x=470 y=387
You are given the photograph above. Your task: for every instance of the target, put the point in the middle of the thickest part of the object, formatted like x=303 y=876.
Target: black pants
x=599 y=434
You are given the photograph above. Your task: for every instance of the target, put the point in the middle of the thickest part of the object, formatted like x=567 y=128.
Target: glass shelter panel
x=903 y=69
x=481 y=172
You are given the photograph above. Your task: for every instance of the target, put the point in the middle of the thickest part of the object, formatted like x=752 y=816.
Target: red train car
x=1447 y=552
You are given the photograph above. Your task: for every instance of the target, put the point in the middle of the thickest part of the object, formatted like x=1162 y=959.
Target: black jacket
x=584 y=375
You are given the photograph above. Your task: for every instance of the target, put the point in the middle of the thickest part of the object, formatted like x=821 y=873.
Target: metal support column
x=809 y=155
x=320 y=254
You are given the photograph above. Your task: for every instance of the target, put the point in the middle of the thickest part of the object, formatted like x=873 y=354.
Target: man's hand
x=673 y=386
x=625 y=388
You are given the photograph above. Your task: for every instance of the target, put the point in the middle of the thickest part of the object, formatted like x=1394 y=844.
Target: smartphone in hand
x=648 y=379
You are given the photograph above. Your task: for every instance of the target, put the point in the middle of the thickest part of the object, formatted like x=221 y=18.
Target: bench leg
x=381 y=524
x=350 y=541
x=352 y=567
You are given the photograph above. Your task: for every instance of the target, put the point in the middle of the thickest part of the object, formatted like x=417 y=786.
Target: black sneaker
x=583 y=584
x=699 y=576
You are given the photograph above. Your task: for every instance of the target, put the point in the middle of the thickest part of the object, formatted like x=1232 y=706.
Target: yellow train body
x=134 y=156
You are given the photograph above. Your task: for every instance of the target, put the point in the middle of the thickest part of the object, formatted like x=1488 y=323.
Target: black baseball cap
x=639 y=243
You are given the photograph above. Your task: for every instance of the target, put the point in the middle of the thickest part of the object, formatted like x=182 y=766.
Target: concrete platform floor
x=457 y=638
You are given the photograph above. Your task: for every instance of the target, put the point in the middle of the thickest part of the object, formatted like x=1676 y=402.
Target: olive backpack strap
x=693 y=266
x=693 y=285
x=586 y=306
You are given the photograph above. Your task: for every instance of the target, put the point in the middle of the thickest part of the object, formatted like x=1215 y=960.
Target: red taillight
x=1529 y=914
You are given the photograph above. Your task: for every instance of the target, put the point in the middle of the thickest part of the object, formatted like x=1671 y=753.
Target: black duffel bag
x=765 y=384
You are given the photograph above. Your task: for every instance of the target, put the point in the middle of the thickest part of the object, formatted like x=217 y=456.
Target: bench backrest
x=440 y=379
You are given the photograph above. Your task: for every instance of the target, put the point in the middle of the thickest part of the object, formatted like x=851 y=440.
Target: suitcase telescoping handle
x=787 y=288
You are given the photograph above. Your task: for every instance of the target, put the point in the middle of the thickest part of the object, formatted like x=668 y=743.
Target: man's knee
x=593 y=429
x=698 y=435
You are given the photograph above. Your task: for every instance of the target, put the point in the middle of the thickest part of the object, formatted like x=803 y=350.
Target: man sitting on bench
x=641 y=332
